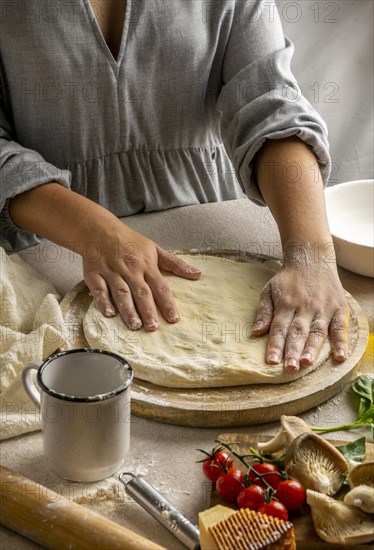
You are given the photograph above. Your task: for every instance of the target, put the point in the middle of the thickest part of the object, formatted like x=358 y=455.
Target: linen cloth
x=31 y=328
x=175 y=120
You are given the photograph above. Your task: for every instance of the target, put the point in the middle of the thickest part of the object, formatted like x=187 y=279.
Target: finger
x=144 y=302
x=163 y=297
x=297 y=335
x=338 y=330
x=121 y=295
x=277 y=335
x=100 y=293
x=171 y=263
x=264 y=313
x=318 y=331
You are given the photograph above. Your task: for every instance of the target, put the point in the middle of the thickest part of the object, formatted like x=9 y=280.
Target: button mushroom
x=291 y=427
x=316 y=463
x=339 y=523
x=361 y=474
x=361 y=496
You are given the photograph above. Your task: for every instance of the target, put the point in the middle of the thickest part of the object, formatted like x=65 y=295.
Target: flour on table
x=211 y=346
x=105 y=498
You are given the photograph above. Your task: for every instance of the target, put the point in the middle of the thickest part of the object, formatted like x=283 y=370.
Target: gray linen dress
x=175 y=120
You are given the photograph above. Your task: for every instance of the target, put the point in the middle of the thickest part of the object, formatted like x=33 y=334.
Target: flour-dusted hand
x=299 y=307
x=305 y=301
x=121 y=267
x=125 y=272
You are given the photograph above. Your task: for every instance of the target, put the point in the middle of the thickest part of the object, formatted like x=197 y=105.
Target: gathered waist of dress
x=137 y=180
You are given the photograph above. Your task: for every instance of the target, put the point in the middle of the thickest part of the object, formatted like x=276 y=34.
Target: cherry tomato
x=229 y=484
x=274 y=508
x=215 y=465
x=251 y=497
x=265 y=468
x=291 y=493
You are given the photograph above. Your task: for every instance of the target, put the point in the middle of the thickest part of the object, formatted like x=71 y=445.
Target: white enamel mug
x=84 y=402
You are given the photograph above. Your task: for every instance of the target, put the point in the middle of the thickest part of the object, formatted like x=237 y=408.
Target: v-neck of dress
x=115 y=63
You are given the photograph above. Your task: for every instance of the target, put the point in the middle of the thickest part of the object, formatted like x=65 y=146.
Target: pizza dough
x=211 y=345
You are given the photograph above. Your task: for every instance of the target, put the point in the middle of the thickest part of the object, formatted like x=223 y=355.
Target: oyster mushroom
x=361 y=496
x=316 y=463
x=339 y=523
x=361 y=474
x=291 y=427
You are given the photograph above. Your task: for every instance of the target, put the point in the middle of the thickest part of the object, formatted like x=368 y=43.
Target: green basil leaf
x=363 y=406
x=368 y=415
x=364 y=386
x=354 y=450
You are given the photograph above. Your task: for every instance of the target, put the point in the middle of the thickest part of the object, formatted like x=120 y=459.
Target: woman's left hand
x=299 y=307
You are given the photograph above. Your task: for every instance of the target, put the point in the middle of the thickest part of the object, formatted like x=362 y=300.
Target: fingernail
x=135 y=323
x=109 y=312
x=274 y=357
x=340 y=354
x=292 y=365
x=173 y=315
x=151 y=324
x=306 y=357
x=258 y=325
x=193 y=271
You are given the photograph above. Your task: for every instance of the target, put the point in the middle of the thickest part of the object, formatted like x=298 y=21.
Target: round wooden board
x=238 y=405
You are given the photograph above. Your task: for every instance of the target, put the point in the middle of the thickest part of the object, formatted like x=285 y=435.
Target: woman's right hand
x=123 y=270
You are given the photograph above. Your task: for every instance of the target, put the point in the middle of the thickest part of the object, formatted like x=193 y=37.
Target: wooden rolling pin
x=57 y=523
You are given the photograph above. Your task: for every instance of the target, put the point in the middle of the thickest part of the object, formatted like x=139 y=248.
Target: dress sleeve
x=21 y=169
x=260 y=98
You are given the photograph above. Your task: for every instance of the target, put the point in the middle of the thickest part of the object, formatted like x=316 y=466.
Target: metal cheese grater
x=162 y=510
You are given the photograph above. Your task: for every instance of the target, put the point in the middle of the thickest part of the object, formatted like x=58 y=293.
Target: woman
x=110 y=109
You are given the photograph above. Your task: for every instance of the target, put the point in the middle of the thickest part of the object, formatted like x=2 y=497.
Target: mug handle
x=28 y=384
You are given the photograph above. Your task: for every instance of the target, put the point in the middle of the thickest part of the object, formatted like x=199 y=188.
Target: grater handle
x=161 y=509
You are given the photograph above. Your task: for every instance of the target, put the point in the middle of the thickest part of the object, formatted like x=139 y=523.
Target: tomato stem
x=250 y=468
x=210 y=456
x=236 y=454
x=263 y=459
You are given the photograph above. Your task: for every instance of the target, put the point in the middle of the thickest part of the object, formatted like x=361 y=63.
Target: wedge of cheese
x=222 y=528
x=207 y=519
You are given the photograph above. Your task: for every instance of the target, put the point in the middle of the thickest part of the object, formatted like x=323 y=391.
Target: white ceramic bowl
x=350 y=211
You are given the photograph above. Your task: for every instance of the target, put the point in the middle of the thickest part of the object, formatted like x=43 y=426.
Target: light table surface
x=166 y=454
